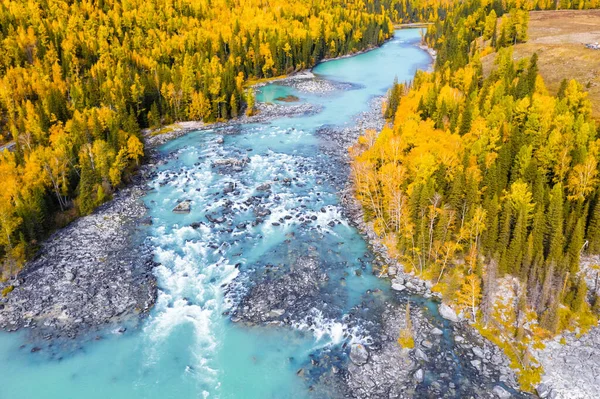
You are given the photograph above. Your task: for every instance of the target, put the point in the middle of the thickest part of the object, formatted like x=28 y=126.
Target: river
x=276 y=212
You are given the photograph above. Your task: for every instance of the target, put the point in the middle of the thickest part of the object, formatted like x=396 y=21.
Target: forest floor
x=559 y=39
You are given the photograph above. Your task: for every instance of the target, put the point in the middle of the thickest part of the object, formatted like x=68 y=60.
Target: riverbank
x=406 y=367
x=94 y=272
x=98 y=271
x=265 y=287
x=570 y=361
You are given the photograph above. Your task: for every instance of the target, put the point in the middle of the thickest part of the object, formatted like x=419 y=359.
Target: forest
x=79 y=79
x=488 y=186
x=479 y=182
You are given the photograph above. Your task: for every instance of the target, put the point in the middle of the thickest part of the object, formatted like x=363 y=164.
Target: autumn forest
x=482 y=181
x=79 y=80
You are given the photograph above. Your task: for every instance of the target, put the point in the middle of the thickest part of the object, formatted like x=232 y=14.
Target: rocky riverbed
x=571 y=368
x=450 y=358
x=435 y=367
x=96 y=271
x=390 y=371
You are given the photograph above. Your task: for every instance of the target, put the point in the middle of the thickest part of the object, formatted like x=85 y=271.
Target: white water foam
x=328 y=332
x=190 y=294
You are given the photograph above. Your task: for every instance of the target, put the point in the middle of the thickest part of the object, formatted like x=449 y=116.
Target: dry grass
x=559 y=38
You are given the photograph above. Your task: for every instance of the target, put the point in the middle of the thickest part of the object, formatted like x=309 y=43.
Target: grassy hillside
x=558 y=37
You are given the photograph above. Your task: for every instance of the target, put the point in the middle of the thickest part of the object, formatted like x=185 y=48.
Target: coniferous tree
x=581 y=296
x=554 y=224
x=593 y=230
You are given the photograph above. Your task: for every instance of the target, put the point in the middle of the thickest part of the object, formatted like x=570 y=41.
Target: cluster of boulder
x=94 y=272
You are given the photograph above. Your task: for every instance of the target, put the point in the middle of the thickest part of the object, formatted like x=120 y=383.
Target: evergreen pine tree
x=581 y=296
x=575 y=246
x=554 y=224
x=465 y=122
x=593 y=230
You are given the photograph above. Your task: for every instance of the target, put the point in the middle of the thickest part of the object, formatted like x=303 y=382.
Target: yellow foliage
x=7 y=290
x=406 y=340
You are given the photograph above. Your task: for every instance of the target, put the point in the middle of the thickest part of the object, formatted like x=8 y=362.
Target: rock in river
x=447 y=313
x=183 y=207
x=398 y=287
x=419 y=376
x=359 y=354
x=292 y=293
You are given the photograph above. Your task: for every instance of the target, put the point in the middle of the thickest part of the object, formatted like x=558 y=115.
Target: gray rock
x=543 y=390
x=418 y=376
x=447 y=313
x=419 y=354
x=183 y=207
x=501 y=392
x=276 y=313
x=359 y=354
x=398 y=280
x=437 y=331
x=398 y=287
x=261 y=212
x=229 y=188
x=477 y=351
x=426 y=344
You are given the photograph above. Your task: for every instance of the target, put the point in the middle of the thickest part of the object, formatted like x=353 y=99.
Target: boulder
x=418 y=376
x=543 y=390
x=359 y=354
x=229 y=188
x=276 y=313
x=436 y=331
x=419 y=354
x=398 y=287
x=448 y=313
x=183 y=207
x=426 y=344
x=501 y=392
x=477 y=351
x=261 y=212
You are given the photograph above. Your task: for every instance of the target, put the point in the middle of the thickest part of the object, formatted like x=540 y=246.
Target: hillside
x=559 y=38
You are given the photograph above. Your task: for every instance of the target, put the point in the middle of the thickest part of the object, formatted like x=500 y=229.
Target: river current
x=189 y=347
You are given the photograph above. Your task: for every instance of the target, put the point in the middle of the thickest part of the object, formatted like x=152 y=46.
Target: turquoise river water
x=188 y=347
